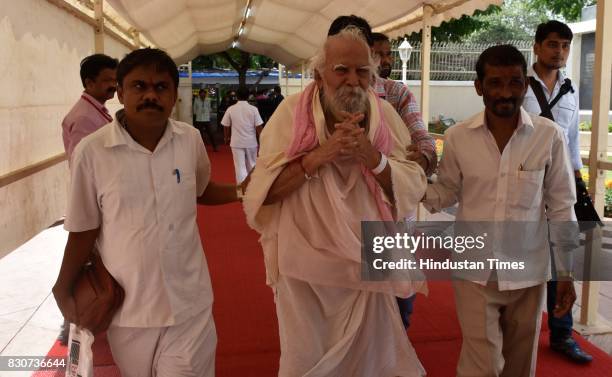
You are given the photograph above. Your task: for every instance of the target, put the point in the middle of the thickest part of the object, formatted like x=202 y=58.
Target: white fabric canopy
x=284 y=30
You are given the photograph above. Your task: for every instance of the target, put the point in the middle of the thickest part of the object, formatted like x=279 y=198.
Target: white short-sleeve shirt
x=242 y=118
x=145 y=205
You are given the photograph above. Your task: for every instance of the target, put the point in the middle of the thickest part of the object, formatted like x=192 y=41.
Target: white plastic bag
x=80 y=355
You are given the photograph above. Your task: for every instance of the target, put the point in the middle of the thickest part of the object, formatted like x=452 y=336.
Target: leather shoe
x=571 y=350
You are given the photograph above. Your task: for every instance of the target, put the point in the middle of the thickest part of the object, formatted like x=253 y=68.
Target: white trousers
x=244 y=162
x=183 y=350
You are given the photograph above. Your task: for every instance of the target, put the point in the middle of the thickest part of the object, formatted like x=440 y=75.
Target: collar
x=100 y=108
x=118 y=135
x=533 y=73
x=379 y=87
x=94 y=102
x=524 y=121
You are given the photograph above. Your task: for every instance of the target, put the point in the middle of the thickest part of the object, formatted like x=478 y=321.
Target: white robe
x=331 y=322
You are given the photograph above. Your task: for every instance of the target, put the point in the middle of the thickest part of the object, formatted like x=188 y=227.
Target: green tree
x=240 y=61
x=570 y=10
x=516 y=20
x=456 y=30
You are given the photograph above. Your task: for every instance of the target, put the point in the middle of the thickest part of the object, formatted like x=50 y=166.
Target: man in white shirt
x=552 y=47
x=201 y=111
x=133 y=194
x=505 y=165
x=242 y=124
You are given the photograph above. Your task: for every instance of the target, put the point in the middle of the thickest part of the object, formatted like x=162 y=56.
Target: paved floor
x=29 y=318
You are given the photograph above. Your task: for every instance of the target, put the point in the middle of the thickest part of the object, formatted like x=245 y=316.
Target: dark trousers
x=560 y=328
x=406 y=306
x=206 y=127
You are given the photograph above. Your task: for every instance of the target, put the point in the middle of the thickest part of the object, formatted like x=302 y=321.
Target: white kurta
x=331 y=322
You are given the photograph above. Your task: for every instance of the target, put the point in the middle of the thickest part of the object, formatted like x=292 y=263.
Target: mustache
x=349 y=99
x=149 y=105
x=511 y=101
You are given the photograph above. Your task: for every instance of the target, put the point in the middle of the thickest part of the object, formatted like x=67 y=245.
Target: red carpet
x=246 y=321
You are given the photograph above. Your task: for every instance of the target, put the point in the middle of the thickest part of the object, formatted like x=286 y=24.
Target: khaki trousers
x=500 y=329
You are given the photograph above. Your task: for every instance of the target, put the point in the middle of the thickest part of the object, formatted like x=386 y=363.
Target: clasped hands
x=349 y=141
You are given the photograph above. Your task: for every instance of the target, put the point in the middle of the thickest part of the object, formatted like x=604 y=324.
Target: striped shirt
x=404 y=102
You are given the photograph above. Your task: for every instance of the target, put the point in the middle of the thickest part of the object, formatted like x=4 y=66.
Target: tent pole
x=599 y=146
x=99 y=27
x=425 y=61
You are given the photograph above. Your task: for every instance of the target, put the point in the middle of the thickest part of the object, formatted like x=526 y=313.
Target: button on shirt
x=85 y=117
x=243 y=118
x=532 y=172
x=566 y=113
x=145 y=205
x=201 y=109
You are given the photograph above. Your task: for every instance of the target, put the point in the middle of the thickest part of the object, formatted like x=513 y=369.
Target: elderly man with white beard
x=331 y=157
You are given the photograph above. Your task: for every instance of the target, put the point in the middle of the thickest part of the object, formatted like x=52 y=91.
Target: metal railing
x=450 y=61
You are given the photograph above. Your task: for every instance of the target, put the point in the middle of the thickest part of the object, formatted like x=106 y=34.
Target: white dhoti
x=331 y=321
x=183 y=350
x=329 y=331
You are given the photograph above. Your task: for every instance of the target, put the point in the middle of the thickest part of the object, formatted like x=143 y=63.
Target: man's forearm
x=384 y=180
x=218 y=193
x=77 y=252
x=293 y=176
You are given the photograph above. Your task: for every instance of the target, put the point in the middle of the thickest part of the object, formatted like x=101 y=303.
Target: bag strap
x=563 y=90
x=539 y=93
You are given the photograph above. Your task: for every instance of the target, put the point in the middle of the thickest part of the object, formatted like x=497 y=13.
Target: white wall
x=42 y=47
x=453 y=99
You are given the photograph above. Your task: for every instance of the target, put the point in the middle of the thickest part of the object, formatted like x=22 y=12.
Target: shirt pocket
x=528 y=188
x=184 y=203
x=565 y=113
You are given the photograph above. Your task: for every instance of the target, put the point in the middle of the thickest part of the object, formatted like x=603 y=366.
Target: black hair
x=146 y=57
x=92 y=65
x=277 y=89
x=553 y=26
x=379 y=37
x=343 y=22
x=242 y=93
x=201 y=91
x=500 y=55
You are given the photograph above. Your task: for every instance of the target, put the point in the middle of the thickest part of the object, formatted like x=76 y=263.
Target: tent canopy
x=284 y=30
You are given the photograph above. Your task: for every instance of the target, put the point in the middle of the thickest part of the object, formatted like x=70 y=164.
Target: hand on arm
x=414 y=154
x=78 y=248
x=222 y=193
